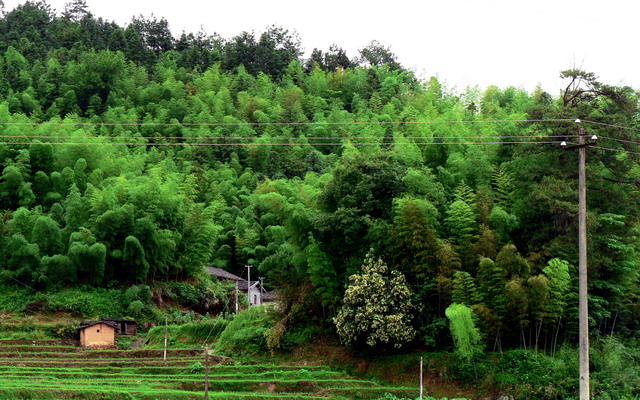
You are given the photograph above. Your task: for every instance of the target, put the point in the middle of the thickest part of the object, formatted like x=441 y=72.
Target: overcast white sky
x=463 y=42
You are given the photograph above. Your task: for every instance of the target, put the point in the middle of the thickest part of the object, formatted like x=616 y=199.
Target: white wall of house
x=255 y=295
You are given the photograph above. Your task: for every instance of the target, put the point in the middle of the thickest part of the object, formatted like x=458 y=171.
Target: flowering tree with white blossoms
x=376 y=307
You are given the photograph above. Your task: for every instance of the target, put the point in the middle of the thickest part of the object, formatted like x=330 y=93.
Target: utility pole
x=583 y=310
x=582 y=265
x=420 y=378
x=261 y=289
x=206 y=372
x=166 y=331
x=236 y=297
x=249 y=283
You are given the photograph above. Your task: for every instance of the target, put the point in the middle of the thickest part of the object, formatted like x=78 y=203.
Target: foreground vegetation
x=52 y=371
x=521 y=374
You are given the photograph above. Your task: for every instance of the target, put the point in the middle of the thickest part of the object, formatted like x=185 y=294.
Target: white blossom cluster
x=377 y=307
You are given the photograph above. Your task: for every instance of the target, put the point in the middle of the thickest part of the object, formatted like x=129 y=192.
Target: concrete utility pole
x=582 y=266
x=261 y=289
x=236 y=297
x=583 y=318
x=421 y=378
x=249 y=283
x=206 y=373
x=166 y=331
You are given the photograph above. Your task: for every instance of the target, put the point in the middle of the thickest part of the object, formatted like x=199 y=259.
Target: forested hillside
x=129 y=156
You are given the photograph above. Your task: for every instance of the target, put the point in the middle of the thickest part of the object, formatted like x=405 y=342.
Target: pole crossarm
x=579 y=146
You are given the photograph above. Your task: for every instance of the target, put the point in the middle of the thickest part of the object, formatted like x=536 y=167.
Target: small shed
x=253 y=292
x=98 y=334
x=126 y=326
x=256 y=294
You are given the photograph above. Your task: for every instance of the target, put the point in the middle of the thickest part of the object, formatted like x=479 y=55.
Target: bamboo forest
x=394 y=215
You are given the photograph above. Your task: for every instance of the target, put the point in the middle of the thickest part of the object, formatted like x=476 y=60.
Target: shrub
x=124 y=342
x=206 y=295
x=16 y=298
x=196 y=368
x=138 y=292
x=63 y=331
x=135 y=309
x=616 y=369
x=526 y=374
x=246 y=331
x=195 y=333
x=89 y=302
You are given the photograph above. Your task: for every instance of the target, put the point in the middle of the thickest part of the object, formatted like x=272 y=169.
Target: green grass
x=60 y=372
x=186 y=335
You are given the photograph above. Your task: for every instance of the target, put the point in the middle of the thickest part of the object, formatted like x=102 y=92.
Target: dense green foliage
x=132 y=157
x=465 y=335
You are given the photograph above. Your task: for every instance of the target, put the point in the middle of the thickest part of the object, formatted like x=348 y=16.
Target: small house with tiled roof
x=98 y=334
x=254 y=290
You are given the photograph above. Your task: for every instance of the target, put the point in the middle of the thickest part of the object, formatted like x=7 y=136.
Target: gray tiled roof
x=222 y=274
x=86 y=324
x=242 y=285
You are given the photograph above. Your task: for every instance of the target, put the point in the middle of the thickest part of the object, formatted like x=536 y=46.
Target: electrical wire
x=278 y=137
x=226 y=307
x=271 y=144
x=281 y=123
x=619 y=140
x=613 y=125
x=616 y=150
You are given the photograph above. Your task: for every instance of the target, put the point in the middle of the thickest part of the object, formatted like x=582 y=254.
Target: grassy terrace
x=44 y=370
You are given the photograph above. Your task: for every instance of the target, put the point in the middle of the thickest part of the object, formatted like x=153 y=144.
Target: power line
x=278 y=137
x=271 y=144
x=619 y=140
x=617 y=150
x=280 y=123
x=613 y=125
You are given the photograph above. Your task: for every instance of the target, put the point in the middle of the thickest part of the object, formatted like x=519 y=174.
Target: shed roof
x=269 y=296
x=242 y=285
x=222 y=274
x=87 y=324
x=125 y=320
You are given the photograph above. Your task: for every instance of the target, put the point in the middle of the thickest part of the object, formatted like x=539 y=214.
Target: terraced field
x=55 y=370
